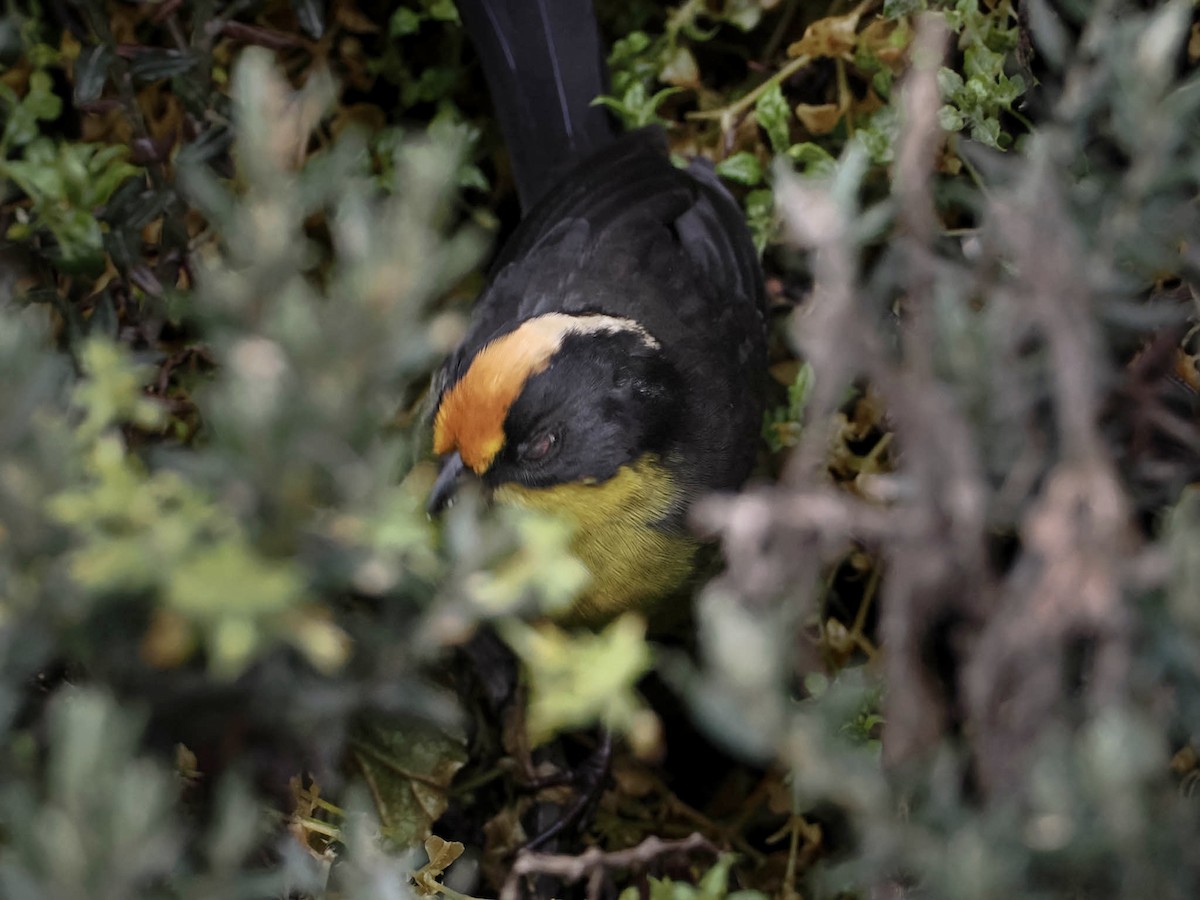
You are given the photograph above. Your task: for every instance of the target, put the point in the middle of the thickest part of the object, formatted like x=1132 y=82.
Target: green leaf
x=404 y=21
x=882 y=82
x=773 y=115
x=981 y=62
x=91 y=72
x=950 y=119
x=42 y=100
x=408 y=768
x=760 y=216
x=897 y=9
x=433 y=84
x=987 y=39
x=584 y=679
x=441 y=10
x=629 y=47
x=232 y=594
x=67 y=183
x=680 y=69
x=744 y=14
x=814 y=160
x=635 y=108
x=949 y=82
x=102 y=173
x=988 y=132
x=634 y=59
x=1008 y=89
x=782 y=425
x=713 y=885
x=230 y=579
x=43 y=56
x=742 y=167
x=40 y=103
x=800 y=391
x=111 y=394
x=541 y=569
x=40 y=182
x=715 y=882
x=878 y=135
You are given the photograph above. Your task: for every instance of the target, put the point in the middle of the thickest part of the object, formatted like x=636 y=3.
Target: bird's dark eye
x=539 y=448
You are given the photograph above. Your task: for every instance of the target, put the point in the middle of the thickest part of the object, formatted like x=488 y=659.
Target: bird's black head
x=604 y=400
x=561 y=399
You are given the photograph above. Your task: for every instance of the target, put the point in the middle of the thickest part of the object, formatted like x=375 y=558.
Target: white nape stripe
x=598 y=323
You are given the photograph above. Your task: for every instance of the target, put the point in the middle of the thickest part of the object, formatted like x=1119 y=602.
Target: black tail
x=544 y=65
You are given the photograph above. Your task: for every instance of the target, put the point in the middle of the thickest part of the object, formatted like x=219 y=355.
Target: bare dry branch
x=594 y=863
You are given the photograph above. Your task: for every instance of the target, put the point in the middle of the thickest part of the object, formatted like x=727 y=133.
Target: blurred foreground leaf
x=408 y=769
x=584 y=679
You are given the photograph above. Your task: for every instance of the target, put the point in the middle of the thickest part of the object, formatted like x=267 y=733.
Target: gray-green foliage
x=1033 y=758
x=277 y=571
x=104 y=823
x=204 y=565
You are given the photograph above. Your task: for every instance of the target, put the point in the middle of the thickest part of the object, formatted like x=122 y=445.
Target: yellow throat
x=633 y=563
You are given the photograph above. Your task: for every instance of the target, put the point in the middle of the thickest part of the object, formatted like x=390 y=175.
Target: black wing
x=627 y=233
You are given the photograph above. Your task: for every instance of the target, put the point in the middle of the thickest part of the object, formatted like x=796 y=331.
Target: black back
x=625 y=232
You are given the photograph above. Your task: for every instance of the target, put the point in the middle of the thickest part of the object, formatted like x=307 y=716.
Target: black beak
x=447 y=482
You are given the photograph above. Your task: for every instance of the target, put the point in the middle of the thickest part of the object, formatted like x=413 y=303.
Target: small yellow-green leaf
x=578 y=680
x=229 y=578
x=542 y=568
x=442 y=855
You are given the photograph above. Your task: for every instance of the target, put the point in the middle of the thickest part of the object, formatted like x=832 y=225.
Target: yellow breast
x=633 y=564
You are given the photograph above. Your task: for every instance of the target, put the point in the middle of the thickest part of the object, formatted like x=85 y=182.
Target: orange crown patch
x=471 y=416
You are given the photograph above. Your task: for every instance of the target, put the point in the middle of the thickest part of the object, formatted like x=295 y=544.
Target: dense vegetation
x=954 y=650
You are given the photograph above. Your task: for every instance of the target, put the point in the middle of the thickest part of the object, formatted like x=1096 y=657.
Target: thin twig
x=593 y=860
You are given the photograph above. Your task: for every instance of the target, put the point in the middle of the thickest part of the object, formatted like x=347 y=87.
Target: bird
x=613 y=368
